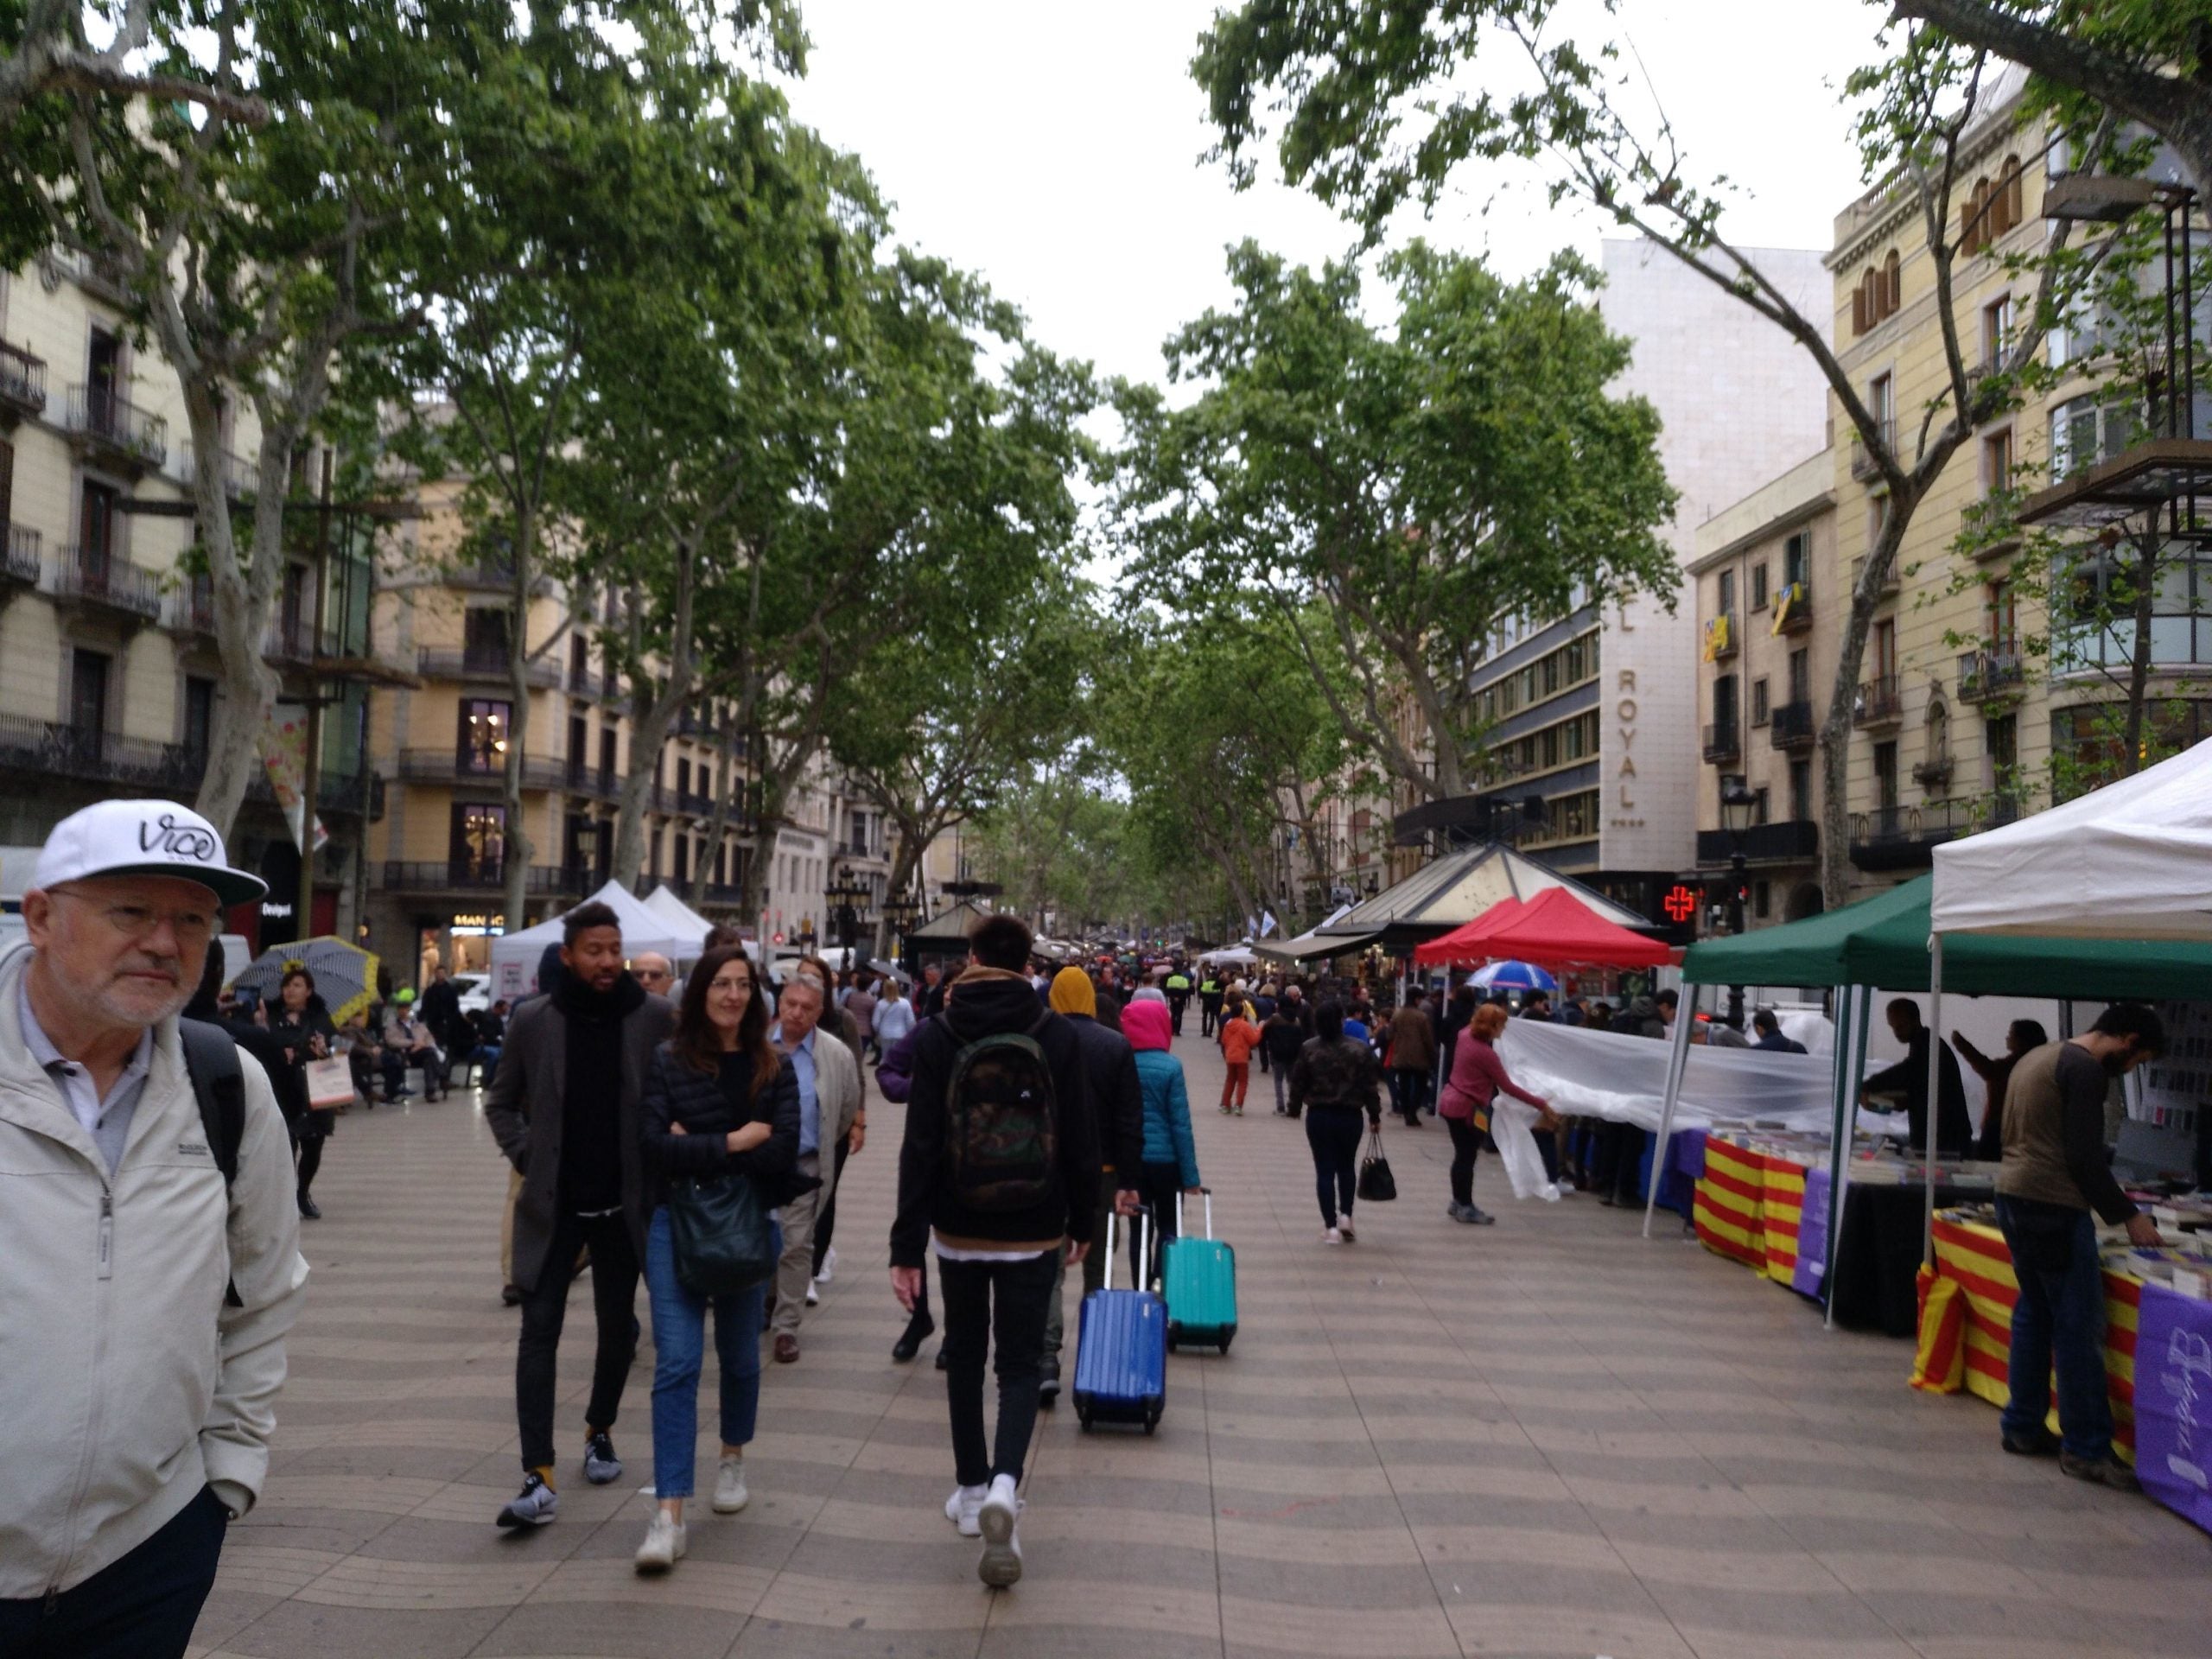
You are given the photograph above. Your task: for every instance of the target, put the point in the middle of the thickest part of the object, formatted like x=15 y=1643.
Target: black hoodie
x=978 y=1006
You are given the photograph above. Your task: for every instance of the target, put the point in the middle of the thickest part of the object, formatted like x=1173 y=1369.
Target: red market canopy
x=1554 y=927
x=1466 y=941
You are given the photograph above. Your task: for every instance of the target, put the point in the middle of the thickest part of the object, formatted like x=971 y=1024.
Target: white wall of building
x=1740 y=403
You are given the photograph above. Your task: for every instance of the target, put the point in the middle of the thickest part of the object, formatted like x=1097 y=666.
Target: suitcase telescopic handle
x=1109 y=1283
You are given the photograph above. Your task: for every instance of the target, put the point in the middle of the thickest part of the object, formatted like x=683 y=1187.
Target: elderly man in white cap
x=149 y=1263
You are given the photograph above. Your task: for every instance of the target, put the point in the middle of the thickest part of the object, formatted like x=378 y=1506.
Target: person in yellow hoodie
x=1117 y=1101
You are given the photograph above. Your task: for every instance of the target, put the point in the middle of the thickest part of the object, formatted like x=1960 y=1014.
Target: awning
x=1307 y=946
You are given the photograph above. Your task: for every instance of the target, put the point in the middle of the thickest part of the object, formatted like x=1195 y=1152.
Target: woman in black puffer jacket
x=720 y=1101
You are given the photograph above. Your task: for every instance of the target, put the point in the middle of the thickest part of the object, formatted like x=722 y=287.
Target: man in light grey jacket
x=145 y=1296
x=829 y=1103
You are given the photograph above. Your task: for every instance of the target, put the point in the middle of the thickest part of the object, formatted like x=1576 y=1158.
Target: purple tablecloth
x=2173 y=1401
x=1812 y=1235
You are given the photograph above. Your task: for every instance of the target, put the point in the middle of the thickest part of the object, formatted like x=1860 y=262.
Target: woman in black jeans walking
x=1334 y=1080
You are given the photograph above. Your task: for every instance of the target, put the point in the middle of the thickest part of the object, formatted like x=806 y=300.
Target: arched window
x=2007 y=211
x=1892 y=283
x=1973 y=219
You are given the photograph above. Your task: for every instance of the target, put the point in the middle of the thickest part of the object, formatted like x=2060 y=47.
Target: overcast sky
x=1054 y=146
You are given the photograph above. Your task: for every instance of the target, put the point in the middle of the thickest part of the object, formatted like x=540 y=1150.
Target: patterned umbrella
x=1513 y=976
x=345 y=974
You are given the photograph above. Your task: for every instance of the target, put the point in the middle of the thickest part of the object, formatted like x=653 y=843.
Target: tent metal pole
x=1840 y=1180
x=1839 y=1144
x=1677 y=1059
x=1935 y=1116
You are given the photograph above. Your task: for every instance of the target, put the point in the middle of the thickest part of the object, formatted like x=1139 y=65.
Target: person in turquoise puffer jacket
x=1171 y=1156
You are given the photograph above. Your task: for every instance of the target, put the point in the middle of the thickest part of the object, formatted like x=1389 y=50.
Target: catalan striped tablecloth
x=1974 y=1255
x=1748 y=1208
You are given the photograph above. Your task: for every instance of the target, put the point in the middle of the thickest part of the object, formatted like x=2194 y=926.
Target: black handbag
x=718 y=1231
x=1377 y=1184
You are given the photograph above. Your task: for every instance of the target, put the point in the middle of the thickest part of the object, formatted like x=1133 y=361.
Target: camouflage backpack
x=1002 y=1140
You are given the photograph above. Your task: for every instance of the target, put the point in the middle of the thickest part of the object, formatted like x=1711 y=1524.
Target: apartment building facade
x=108 y=678
x=1765 y=668
x=1593 y=718
x=1972 y=688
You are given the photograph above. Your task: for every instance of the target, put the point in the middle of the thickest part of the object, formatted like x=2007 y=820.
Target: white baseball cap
x=143 y=838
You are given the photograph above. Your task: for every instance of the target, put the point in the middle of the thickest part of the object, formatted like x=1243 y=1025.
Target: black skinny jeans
x=614 y=1303
x=1466 y=1141
x=1334 y=1134
x=825 y=1224
x=1000 y=1305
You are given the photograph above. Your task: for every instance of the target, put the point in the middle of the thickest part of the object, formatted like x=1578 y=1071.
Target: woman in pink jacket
x=1477 y=1074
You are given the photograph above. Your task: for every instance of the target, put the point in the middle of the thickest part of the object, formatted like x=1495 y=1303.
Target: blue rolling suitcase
x=1201 y=1284
x=1121 y=1356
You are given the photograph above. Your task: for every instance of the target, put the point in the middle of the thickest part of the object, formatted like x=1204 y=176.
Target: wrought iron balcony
x=1791 y=726
x=1792 y=841
x=1906 y=837
x=483 y=663
x=1863 y=464
x=23 y=381
x=19 y=558
x=1889 y=578
x=1879 y=701
x=101 y=420
x=1723 y=741
x=1987 y=674
x=52 y=750
x=480 y=875
x=112 y=583
x=449 y=766
x=192 y=607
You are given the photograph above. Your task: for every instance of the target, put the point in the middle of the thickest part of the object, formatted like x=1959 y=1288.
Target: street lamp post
x=1738 y=803
x=847 y=897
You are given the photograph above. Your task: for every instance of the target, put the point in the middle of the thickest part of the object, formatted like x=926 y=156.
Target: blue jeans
x=2060 y=1316
x=488 y=1055
x=679 y=1352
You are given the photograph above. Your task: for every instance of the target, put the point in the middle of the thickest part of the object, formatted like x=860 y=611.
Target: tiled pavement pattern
x=1545 y=1437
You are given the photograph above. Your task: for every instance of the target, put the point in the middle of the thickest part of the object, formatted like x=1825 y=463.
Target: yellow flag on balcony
x=1717 y=639
x=1787 y=605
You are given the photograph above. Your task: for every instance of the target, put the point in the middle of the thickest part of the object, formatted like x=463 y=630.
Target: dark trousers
x=988 y=1303
x=1209 y=1014
x=2058 y=1323
x=1158 y=1184
x=1176 y=1003
x=1409 y=1091
x=826 y=1223
x=1619 y=1149
x=614 y=1303
x=311 y=1160
x=144 y=1606
x=1334 y=1133
x=1466 y=1142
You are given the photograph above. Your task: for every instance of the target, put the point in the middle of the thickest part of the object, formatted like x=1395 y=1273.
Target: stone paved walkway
x=1547 y=1437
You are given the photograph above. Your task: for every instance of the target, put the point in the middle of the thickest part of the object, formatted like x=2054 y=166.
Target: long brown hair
x=699 y=1044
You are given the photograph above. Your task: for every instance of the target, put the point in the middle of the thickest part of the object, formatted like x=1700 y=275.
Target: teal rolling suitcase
x=1201 y=1284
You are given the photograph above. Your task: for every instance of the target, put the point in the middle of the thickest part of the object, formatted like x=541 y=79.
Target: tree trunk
x=650 y=721
x=518 y=849
x=903 y=862
x=724 y=797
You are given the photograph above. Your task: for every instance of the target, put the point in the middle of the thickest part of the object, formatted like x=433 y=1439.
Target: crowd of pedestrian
x=690 y=1131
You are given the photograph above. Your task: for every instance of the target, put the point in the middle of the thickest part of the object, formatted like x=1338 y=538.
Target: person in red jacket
x=1239 y=1036
x=1477 y=1074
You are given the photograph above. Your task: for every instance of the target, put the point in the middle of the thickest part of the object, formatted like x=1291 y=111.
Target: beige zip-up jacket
x=129 y=1382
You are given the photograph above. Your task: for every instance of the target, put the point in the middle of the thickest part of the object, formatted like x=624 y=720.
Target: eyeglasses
x=135 y=922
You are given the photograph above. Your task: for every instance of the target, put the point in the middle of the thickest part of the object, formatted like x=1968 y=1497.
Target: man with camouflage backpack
x=999 y=1173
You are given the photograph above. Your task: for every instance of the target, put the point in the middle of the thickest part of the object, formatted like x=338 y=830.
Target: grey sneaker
x=730 y=1495
x=2106 y=1471
x=533 y=1506
x=1000 y=1566
x=602 y=1466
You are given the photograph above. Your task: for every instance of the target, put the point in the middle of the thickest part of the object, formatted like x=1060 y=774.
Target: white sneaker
x=1548 y=1192
x=828 y=1266
x=963 y=1508
x=1000 y=1566
x=1332 y=1235
x=1345 y=1231
x=730 y=1495
x=665 y=1541
x=812 y=1299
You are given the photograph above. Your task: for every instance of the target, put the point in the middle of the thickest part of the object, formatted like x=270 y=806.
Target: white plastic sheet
x=1611 y=1075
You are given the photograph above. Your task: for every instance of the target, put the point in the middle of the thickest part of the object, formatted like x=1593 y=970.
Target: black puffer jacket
x=676 y=1092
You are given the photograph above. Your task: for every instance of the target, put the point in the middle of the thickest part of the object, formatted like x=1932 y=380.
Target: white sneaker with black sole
x=730 y=1495
x=1000 y=1566
x=534 y=1505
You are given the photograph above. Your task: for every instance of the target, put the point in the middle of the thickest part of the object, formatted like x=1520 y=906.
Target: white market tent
x=1232 y=956
x=514 y=956
x=2130 y=861
x=664 y=902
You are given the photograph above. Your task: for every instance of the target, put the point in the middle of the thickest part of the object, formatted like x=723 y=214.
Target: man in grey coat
x=565 y=1108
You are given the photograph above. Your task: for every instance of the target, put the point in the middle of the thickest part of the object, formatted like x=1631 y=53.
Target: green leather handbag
x=718 y=1229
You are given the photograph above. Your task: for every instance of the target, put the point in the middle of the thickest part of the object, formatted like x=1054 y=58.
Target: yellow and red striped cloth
x=1748 y=1206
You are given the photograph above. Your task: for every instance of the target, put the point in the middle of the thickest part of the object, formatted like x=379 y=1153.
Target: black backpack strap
x=211 y=1060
